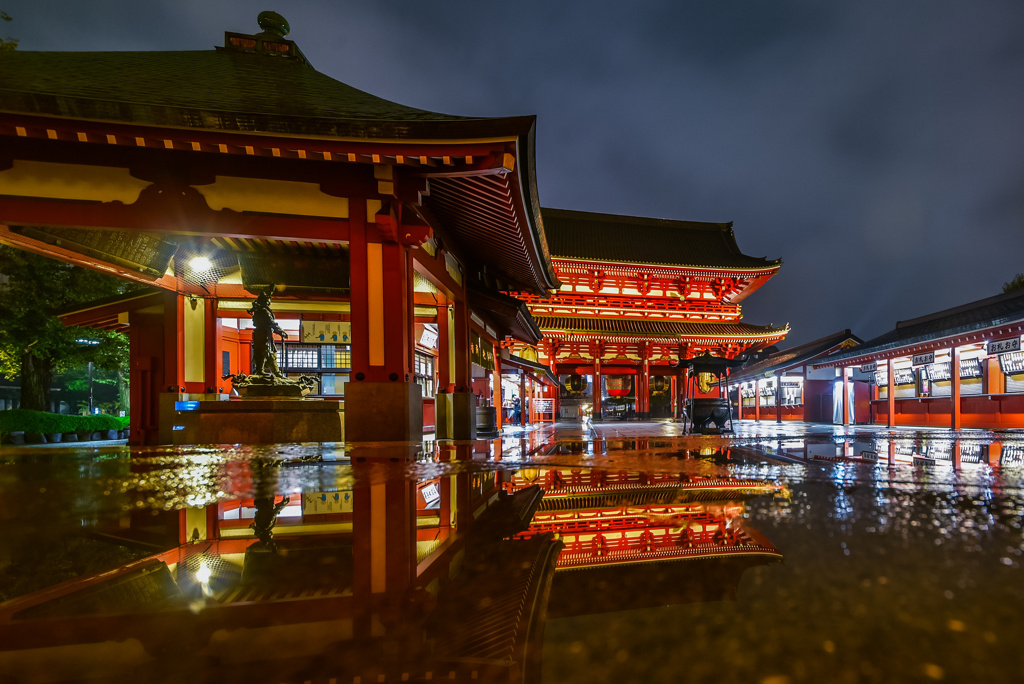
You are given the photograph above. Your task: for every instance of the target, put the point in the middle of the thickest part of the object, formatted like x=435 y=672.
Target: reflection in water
x=440 y=562
x=443 y=571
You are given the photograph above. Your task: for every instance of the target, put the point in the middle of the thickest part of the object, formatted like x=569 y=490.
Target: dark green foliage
x=23 y=420
x=34 y=344
x=7 y=44
x=1016 y=284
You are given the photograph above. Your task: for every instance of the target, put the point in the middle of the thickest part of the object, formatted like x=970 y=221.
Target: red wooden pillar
x=444 y=368
x=954 y=394
x=153 y=371
x=778 y=397
x=382 y=401
x=636 y=391
x=214 y=346
x=890 y=394
x=524 y=410
x=846 y=396
x=757 y=400
x=463 y=361
x=995 y=380
x=496 y=397
x=645 y=370
x=597 y=390
x=174 y=342
x=674 y=389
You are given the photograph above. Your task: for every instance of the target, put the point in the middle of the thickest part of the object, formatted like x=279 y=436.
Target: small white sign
x=429 y=338
x=923 y=359
x=431 y=494
x=1003 y=346
x=869 y=367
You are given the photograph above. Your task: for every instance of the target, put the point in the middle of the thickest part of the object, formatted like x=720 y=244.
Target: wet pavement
x=623 y=552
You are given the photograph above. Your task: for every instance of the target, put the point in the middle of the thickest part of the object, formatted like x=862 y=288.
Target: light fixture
x=200 y=264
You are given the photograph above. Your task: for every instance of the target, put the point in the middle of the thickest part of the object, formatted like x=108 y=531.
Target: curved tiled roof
x=215 y=90
x=976 y=316
x=610 y=237
x=236 y=90
x=795 y=356
x=656 y=328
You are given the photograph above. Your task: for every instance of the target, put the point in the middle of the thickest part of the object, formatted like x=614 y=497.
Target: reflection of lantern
x=704 y=381
x=618 y=385
x=659 y=384
x=576 y=384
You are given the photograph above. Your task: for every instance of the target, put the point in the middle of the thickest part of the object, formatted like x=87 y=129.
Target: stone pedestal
x=258 y=421
x=443 y=409
x=463 y=415
x=383 y=412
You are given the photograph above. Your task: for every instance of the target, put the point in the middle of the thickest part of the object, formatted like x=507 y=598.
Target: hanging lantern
x=659 y=384
x=576 y=383
x=618 y=385
x=704 y=382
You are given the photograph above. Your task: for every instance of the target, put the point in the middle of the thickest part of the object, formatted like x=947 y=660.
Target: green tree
x=34 y=343
x=7 y=44
x=1016 y=284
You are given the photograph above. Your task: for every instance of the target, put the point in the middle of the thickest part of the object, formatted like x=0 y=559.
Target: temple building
x=785 y=386
x=959 y=368
x=212 y=175
x=411 y=267
x=637 y=296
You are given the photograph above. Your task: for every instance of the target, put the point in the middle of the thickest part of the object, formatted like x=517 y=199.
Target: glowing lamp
x=200 y=264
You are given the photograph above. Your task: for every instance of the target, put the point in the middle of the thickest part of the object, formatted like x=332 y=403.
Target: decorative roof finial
x=272 y=22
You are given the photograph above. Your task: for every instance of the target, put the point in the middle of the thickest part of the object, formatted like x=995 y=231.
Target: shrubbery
x=23 y=420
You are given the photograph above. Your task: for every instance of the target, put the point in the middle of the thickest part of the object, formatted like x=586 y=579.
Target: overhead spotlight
x=200 y=264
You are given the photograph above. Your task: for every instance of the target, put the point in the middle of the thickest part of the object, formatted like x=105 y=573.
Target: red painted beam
x=184 y=217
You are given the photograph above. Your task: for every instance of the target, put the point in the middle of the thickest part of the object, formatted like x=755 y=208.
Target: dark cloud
x=875 y=146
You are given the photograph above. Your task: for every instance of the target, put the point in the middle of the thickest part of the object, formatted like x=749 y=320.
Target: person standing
x=517 y=411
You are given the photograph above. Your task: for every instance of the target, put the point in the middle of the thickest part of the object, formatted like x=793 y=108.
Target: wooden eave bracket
x=495 y=163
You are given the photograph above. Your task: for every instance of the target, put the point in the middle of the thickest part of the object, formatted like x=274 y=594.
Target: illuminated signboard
x=923 y=359
x=869 y=367
x=327 y=331
x=1003 y=346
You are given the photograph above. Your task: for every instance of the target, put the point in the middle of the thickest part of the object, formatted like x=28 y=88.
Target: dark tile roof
x=655 y=328
x=979 y=315
x=795 y=356
x=609 y=237
x=209 y=89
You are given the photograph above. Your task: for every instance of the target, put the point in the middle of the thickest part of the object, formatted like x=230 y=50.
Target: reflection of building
x=930 y=450
x=382 y=580
x=636 y=531
x=962 y=367
x=637 y=296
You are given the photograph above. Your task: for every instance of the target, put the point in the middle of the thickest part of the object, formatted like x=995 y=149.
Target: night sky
x=877 y=147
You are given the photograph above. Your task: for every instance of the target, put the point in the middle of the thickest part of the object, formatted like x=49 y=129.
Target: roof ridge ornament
x=270 y=42
x=273 y=23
